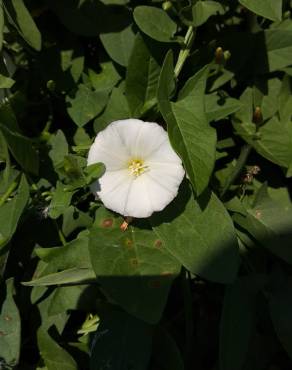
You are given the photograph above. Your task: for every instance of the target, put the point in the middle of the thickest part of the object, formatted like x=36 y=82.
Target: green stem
x=61 y=235
x=184 y=53
x=245 y=150
x=8 y=192
x=189 y=323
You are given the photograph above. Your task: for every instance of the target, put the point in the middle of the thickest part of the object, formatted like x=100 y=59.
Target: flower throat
x=137 y=167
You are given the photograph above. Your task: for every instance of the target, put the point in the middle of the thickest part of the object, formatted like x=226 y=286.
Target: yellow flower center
x=137 y=167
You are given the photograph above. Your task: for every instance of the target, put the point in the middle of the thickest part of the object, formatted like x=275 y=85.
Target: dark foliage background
x=205 y=284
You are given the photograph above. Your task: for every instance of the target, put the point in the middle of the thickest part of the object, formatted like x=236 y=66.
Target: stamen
x=137 y=167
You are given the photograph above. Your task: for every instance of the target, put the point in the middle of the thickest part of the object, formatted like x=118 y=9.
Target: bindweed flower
x=143 y=173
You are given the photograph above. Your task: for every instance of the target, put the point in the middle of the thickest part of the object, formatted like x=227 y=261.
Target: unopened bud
x=257 y=116
x=255 y=170
x=166 y=5
x=51 y=85
x=219 y=55
x=248 y=178
x=287 y=14
x=227 y=55
x=45 y=136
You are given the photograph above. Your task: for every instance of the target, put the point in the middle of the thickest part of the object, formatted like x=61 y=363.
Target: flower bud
x=221 y=56
x=257 y=116
x=167 y=5
x=51 y=85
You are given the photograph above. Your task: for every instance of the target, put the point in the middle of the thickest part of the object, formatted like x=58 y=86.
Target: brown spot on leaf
x=134 y=262
x=7 y=318
x=258 y=214
x=158 y=243
x=108 y=222
x=2 y=333
x=129 y=243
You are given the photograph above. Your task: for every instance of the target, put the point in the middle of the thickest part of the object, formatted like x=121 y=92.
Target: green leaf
x=278 y=46
x=6 y=82
x=238 y=321
x=73 y=219
x=11 y=211
x=60 y=201
x=72 y=63
x=270 y=9
x=121 y=341
x=94 y=172
x=273 y=139
x=199 y=234
x=72 y=298
x=73 y=254
x=10 y=328
x=142 y=79
x=285 y=100
x=72 y=167
x=190 y=135
x=269 y=223
x=106 y=79
x=21 y=149
x=2 y=24
x=38 y=291
x=20 y=18
x=269 y=102
x=280 y=301
x=119 y=45
x=202 y=11
x=81 y=137
x=155 y=23
x=59 y=148
x=4 y=157
x=166 y=86
x=70 y=276
x=133 y=267
x=218 y=107
x=116 y=109
x=57 y=321
x=54 y=356
x=221 y=79
x=86 y=105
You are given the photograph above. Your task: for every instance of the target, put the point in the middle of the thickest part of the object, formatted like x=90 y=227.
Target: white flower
x=143 y=173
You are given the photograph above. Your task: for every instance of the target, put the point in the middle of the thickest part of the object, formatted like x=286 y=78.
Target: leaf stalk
x=8 y=192
x=245 y=150
x=184 y=53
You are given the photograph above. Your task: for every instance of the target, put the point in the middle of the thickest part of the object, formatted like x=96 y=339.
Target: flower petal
x=138 y=203
x=108 y=149
x=163 y=184
x=113 y=188
x=164 y=154
x=140 y=138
